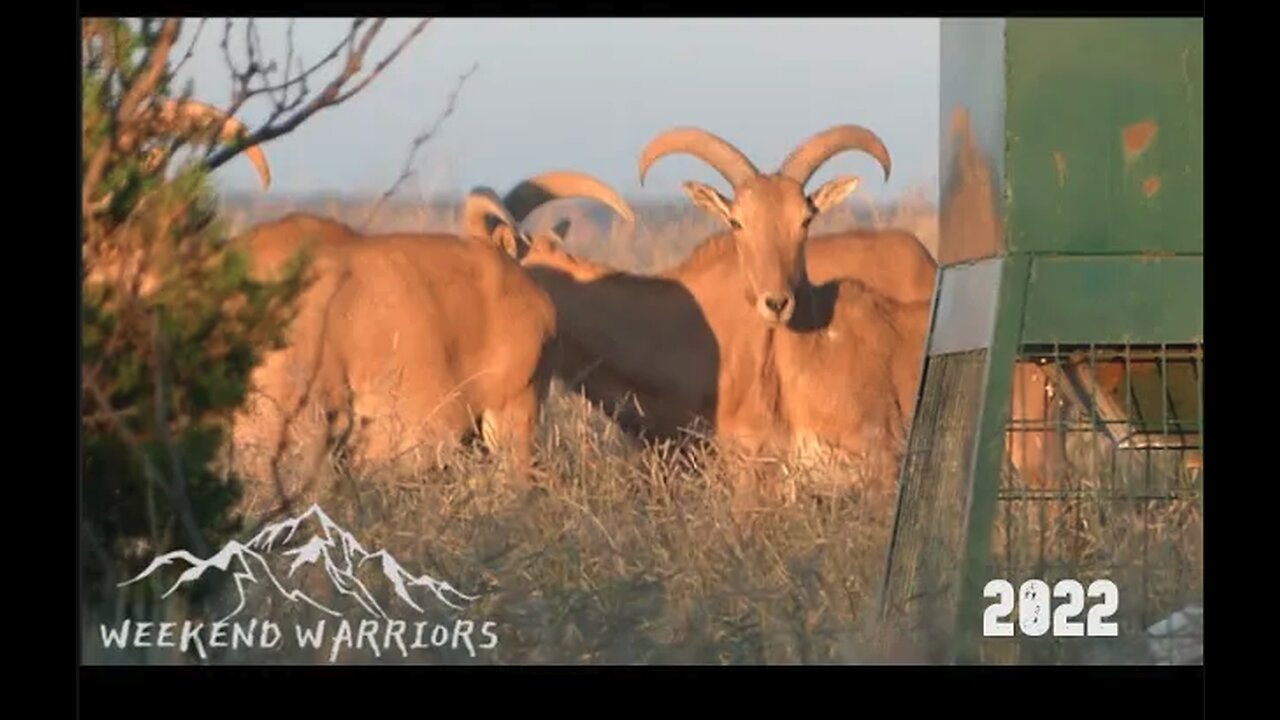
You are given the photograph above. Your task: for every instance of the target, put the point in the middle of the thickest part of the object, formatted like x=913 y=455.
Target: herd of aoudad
x=777 y=340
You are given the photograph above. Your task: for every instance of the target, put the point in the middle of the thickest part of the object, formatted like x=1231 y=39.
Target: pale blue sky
x=587 y=94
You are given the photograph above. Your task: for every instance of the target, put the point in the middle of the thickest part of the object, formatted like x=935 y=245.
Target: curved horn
x=712 y=149
x=538 y=190
x=172 y=112
x=813 y=152
x=479 y=205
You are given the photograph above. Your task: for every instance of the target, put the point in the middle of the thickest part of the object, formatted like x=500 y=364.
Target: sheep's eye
x=733 y=223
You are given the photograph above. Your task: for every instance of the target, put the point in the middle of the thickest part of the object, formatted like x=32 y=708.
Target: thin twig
x=155 y=65
x=377 y=69
x=431 y=130
x=190 y=48
x=331 y=95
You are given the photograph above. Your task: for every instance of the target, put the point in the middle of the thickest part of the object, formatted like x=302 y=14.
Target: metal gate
x=1050 y=500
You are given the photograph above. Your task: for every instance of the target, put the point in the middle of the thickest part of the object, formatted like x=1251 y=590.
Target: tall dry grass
x=623 y=554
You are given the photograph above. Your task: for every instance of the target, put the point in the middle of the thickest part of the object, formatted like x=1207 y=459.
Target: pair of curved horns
x=481 y=204
x=191 y=114
x=533 y=193
x=735 y=167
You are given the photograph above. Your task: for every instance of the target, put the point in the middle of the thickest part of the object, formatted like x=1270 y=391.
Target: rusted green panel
x=1071 y=213
x=1104 y=134
x=1115 y=300
x=1071 y=136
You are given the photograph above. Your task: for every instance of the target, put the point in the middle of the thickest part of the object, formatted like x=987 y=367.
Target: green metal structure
x=1058 y=430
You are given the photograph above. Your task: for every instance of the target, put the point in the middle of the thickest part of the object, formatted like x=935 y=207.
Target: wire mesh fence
x=923 y=573
x=1099 y=506
x=1103 y=481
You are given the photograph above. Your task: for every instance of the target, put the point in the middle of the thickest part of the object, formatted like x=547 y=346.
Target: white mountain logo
x=310 y=541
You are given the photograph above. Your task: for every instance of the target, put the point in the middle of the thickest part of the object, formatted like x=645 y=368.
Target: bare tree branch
x=377 y=70
x=226 y=56
x=293 y=111
x=282 y=99
x=421 y=139
x=155 y=64
x=298 y=83
x=190 y=48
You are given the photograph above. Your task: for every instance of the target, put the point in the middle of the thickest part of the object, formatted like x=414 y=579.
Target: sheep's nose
x=777 y=303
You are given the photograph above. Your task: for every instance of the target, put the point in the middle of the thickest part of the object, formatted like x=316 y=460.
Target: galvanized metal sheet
x=966 y=308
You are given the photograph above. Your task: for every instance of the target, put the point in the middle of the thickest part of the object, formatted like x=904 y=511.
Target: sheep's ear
x=709 y=199
x=832 y=193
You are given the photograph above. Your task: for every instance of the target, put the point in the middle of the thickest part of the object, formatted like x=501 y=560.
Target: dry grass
x=622 y=554
x=1133 y=517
